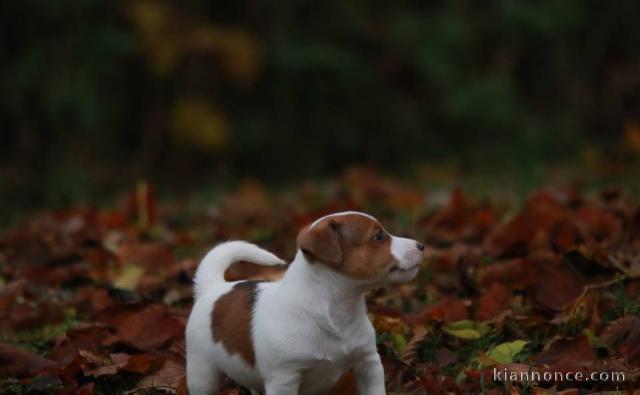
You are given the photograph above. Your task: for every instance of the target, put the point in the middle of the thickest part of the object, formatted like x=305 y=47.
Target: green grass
x=11 y=385
x=40 y=340
x=623 y=304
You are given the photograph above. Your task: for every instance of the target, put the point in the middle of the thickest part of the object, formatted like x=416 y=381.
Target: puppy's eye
x=379 y=236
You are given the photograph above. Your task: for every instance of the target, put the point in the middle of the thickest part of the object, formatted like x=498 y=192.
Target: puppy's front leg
x=285 y=383
x=369 y=375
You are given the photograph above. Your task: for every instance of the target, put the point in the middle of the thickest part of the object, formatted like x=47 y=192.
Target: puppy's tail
x=217 y=261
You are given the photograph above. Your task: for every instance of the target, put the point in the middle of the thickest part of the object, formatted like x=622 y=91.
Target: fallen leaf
x=410 y=351
x=167 y=379
x=21 y=363
x=493 y=301
x=466 y=329
x=147 y=329
x=97 y=366
x=506 y=352
x=129 y=277
x=384 y=323
x=541 y=213
x=566 y=352
x=87 y=389
x=144 y=363
x=449 y=309
x=622 y=337
x=557 y=286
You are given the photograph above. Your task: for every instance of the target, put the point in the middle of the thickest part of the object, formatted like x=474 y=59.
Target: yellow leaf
x=237 y=49
x=159 y=34
x=196 y=122
x=399 y=341
x=149 y=16
x=129 y=277
x=167 y=36
x=505 y=352
x=466 y=329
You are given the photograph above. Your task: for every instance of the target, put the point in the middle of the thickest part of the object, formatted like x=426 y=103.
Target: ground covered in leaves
x=95 y=300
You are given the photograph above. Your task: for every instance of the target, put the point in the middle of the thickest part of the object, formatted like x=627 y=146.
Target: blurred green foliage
x=97 y=94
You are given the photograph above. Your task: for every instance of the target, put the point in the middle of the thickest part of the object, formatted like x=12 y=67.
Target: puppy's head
x=356 y=245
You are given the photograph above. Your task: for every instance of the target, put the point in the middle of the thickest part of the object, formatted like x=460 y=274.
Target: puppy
x=298 y=335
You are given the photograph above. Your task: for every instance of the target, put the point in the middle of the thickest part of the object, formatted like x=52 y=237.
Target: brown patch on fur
x=321 y=243
x=348 y=241
x=231 y=320
x=243 y=270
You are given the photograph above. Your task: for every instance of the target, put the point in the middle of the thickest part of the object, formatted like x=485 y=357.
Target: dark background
x=97 y=95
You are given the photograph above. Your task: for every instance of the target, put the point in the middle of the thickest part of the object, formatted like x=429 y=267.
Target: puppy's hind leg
x=203 y=376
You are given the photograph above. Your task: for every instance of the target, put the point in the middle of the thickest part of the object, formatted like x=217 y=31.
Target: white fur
x=309 y=329
x=217 y=261
x=405 y=251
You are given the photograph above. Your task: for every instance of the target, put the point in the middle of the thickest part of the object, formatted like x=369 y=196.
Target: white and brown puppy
x=298 y=335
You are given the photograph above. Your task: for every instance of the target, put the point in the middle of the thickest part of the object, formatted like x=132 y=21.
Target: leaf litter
x=95 y=300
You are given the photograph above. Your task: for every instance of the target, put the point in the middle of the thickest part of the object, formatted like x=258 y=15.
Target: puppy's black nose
x=420 y=246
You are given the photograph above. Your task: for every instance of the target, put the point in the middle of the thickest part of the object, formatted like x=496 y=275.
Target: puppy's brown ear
x=301 y=234
x=321 y=243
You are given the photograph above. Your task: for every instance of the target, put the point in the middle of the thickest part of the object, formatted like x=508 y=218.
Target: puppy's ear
x=301 y=234
x=321 y=243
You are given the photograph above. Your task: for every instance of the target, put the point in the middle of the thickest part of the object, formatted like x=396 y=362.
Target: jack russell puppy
x=298 y=335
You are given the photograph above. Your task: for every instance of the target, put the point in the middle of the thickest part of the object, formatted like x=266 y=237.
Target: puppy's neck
x=331 y=297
